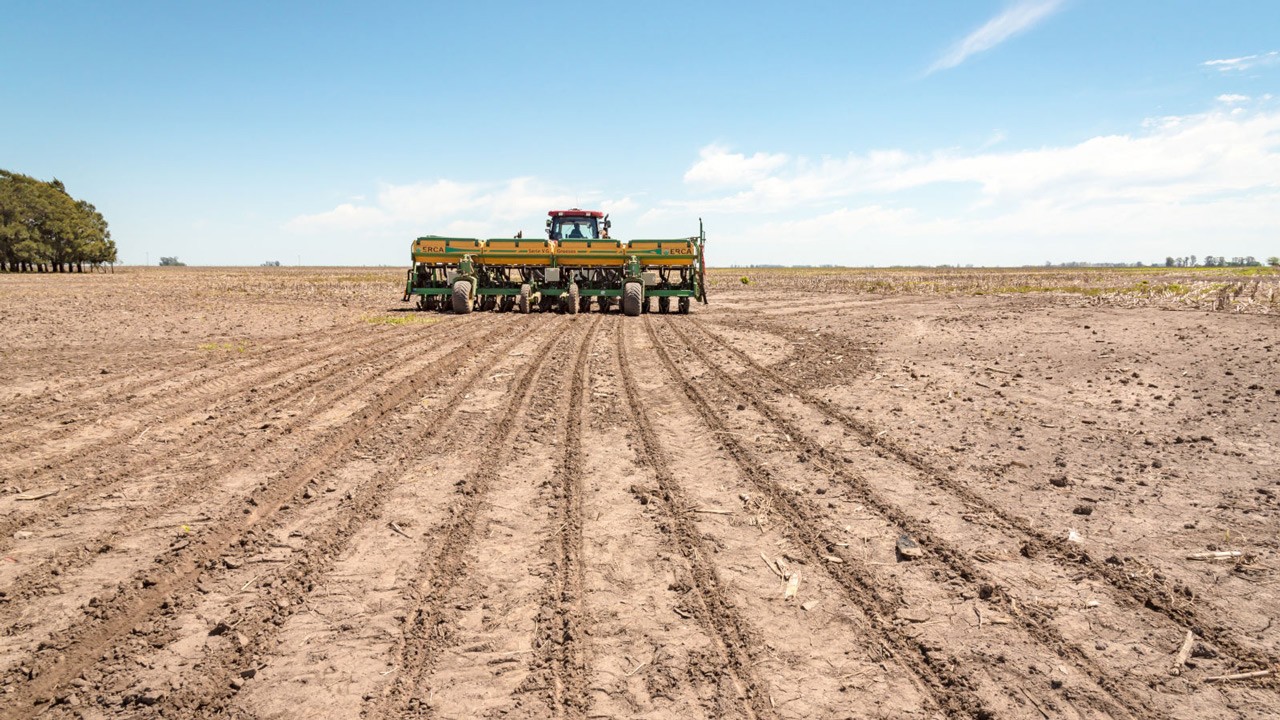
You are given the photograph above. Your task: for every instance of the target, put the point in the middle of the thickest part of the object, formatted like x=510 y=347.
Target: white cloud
x=442 y=206
x=1202 y=183
x=625 y=206
x=717 y=167
x=1182 y=157
x=1017 y=19
x=1230 y=99
x=344 y=217
x=1176 y=185
x=996 y=138
x=1241 y=64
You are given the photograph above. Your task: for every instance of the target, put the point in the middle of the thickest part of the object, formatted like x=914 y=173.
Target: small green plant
x=405 y=319
x=744 y=280
x=223 y=346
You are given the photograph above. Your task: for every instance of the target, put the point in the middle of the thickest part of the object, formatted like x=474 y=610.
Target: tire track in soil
x=131 y=384
x=954 y=694
x=815 y=655
x=427 y=627
x=712 y=608
x=1128 y=584
x=58 y=662
x=127 y=463
x=47 y=577
x=1035 y=624
x=162 y=382
x=161 y=411
x=334 y=657
x=560 y=638
x=213 y=693
x=950 y=525
x=644 y=656
x=20 y=413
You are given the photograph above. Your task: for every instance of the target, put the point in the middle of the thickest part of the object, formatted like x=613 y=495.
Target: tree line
x=44 y=229
x=1217 y=261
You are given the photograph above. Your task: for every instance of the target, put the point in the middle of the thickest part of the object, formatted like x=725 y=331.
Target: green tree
x=43 y=228
x=22 y=207
x=1273 y=261
x=93 y=240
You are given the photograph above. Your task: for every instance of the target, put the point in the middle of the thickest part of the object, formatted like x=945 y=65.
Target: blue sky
x=826 y=132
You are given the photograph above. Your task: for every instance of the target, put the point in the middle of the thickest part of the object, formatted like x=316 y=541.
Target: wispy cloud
x=1240 y=64
x=1205 y=182
x=1168 y=185
x=466 y=209
x=1017 y=19
x=719 y=167
x=1174 y=159
x=440 y=206
x=1232 y=99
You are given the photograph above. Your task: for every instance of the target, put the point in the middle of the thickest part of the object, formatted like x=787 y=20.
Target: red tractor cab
x=577 y=224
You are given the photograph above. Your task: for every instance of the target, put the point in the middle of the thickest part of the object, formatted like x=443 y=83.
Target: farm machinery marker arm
x=577 y=262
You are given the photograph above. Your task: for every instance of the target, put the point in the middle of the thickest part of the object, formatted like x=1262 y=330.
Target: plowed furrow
x=102 y=388
x=190 y=488
x=427 y=628
x=560 y=640
x=1035 y=625
x=953 y=693
x=138 y=421
x=52 y=667
x=712 y=607
x=1130 y=584
x=261 y=622
x=126 y=464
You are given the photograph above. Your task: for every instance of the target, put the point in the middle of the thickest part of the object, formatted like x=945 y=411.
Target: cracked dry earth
x=274 y=494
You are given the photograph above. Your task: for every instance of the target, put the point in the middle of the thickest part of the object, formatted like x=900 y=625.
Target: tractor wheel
x=462 y=297
x=584 y=305
x=522 y=303
x=571 y=305
x=604 y=303
x=664 y=305
x=632 y=299
x=506 y=303
x=684 y=306
x=488 y=303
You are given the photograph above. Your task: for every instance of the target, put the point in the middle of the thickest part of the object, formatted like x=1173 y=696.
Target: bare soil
x=277 y=493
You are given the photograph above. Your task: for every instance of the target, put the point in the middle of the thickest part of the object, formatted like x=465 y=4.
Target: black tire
x=684 y=306
x=664 y=305
x=632 y=299
x=571 y=303
x=462 y=297
x=604 y=304
x=522 y=302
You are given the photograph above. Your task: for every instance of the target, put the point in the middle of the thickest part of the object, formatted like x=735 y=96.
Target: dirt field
x=276 y=494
